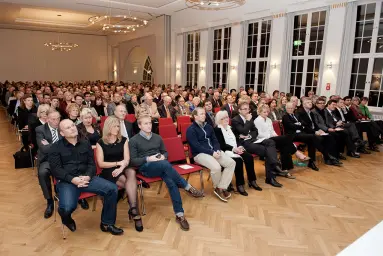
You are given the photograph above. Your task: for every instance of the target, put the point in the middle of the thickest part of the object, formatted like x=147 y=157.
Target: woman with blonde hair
x=42 y=118
x=112 y=154
x=86 y=129
x=282 y=104
x=73 y=112
x=283 y=143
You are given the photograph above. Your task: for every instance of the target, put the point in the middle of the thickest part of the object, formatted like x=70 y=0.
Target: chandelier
x=118 y=20
x=214 y=5
x=61 y=46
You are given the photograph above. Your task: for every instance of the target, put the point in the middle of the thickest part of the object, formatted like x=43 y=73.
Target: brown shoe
x=226 y=194
x=220 y=194
x=183 y=223
x=194 y=192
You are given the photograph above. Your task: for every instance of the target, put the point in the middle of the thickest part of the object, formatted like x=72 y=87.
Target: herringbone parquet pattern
x=319 y=213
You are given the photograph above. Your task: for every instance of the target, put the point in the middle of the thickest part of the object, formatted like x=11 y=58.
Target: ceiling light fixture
x=214 y=5
x=61 y=46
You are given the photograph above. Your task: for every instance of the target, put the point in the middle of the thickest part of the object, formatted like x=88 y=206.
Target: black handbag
x=23 y=159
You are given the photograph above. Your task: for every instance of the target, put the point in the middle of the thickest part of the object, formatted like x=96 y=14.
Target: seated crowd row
x=227 y=132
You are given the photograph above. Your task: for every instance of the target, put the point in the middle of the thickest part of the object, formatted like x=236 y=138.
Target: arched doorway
x=135 y=64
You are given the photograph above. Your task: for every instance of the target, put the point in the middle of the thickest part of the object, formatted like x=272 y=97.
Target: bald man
x=72 y=165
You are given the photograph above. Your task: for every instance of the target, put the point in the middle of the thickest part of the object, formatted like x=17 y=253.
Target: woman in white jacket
x=283 y=143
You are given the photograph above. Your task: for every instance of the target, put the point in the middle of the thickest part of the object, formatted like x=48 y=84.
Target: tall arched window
x=148 y=71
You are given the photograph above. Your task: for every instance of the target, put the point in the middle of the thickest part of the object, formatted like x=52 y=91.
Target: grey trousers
x=44 y=175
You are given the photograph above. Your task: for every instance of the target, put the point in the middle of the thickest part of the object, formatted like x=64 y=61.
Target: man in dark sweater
x=148 y=154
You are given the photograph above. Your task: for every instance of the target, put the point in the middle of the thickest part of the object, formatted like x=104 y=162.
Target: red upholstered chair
x=103 y=118
x=277 y=128
x=94 y=120
x=168 y=131
x=217 y=109
x=165 y=121
x=176 y=153
x=141 y=179
x=184 y=128
x=182 y=120
x=130 y=117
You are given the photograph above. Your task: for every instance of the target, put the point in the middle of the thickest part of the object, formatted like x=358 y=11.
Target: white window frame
x=221 y=62
x=306 y=57
x=195 y=46
x=258 y=59
x=371 y=56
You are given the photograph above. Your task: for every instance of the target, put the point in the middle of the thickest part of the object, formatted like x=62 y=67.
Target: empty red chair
x=165 y=121
x=168 y=131
x=103 y=118
x=176 y=153
x=184 y=128
x=182 y=120
x=277 y=128
x=130 y=117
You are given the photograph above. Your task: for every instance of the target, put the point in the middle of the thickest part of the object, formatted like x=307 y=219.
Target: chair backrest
x=98 y=169
x=175 y=149
x=130 y=117
x=277 y=128
x=183 y=119
x=184 y=128
x=103 y=118
x=165 y=121
x=168 y=131
x=217 y=109
x=94 y=120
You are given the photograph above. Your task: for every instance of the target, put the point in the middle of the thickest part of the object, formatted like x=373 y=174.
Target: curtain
x=323 y=65
x=345 y=61
x=242 y=55
x=284 y=80
x=209 y=58
x=184 y=55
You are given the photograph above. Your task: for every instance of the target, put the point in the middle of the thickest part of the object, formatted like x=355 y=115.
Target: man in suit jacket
x=148 y=108
x=216 y=101
x=230 y=107
x=181 y=108
x=126 y=127
x=246 y=134
x=117 y=98
x=210 y=119
x=46 y=135
x=167 y=110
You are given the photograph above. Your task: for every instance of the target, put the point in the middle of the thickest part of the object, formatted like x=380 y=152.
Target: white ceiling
x=43 y=14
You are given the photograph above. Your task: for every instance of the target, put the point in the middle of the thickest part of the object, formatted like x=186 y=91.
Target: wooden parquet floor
x=319 y=213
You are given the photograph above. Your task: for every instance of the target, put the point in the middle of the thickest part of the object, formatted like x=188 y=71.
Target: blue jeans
x=69 y=193
x=170 y=176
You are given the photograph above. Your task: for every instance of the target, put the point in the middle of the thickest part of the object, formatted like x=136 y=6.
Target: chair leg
x=55 y=208
x=201 y=180
x=143 y=208
x=94 y=203
x=159 y=189
x=63 y=231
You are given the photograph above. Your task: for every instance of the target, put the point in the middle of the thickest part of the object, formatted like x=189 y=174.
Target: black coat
x=289 y=125
x=231 y=113
x=306 y=122
x=221 y=140
x=239 y=127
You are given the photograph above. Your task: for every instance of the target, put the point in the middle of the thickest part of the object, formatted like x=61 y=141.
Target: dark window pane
x=321 y=32
x=363 y=65
x=253 y=67
x=379 y=45
x=292 y=79
x=319 y=48
x=267 y=51
x=353 y=81
x=304 y=20
x=317 y=65
x=359 y=29
x=302 y=35
x=254 y=53
x=357 y=45
x=298 y=91
x=296 y=21
x=361 y=82
x=299 y=79
x=354 y=68
x=368 y=27
x=247 y=78
x=292 y=89
x=378 y=66
x=300 y=66
x=293 y=66
x=249 y=40
x=310 y=65
x=359 y=94
x=252 y=78
x=366 y=45
x=370 y=11
x=295 y=34
x=263 y=39
x=262 y=66
x=322 y=19
x=248 y=65
x=268 y=39
x=260 y=78
x=248 y=52
x=315 y=19
x=380 y=103
x=312 y=48
x=309 y=79
x=360 y=12
x=351 y=93
x=262 y=51
x=250 y=30
x=314 y=33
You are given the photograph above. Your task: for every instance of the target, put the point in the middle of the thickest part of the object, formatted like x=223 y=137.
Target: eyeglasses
x=244 y=109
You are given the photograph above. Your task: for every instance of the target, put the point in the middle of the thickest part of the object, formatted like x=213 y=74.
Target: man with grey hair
x=167 y=110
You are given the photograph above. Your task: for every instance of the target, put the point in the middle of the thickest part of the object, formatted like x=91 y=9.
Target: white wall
x=150 y=38
x=23 y=56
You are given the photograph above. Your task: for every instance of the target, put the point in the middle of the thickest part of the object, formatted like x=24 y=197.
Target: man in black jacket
x=246 y=134
x=72 y=164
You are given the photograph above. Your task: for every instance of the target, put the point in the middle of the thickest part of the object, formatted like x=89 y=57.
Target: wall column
x=235 y=46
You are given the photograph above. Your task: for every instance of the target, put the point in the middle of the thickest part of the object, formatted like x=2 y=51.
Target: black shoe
x=342 y=157
x=353 y=155
x=70 y=224
x=254 y=185
x=273 y=182
x=313 y=166
x=375 y=149
x=84 y=204
x=241 y=190
x=134 y=214
x=49 y=211
x=230 y=188
x=111 y=229
x=332 y=162
x=364 y=151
